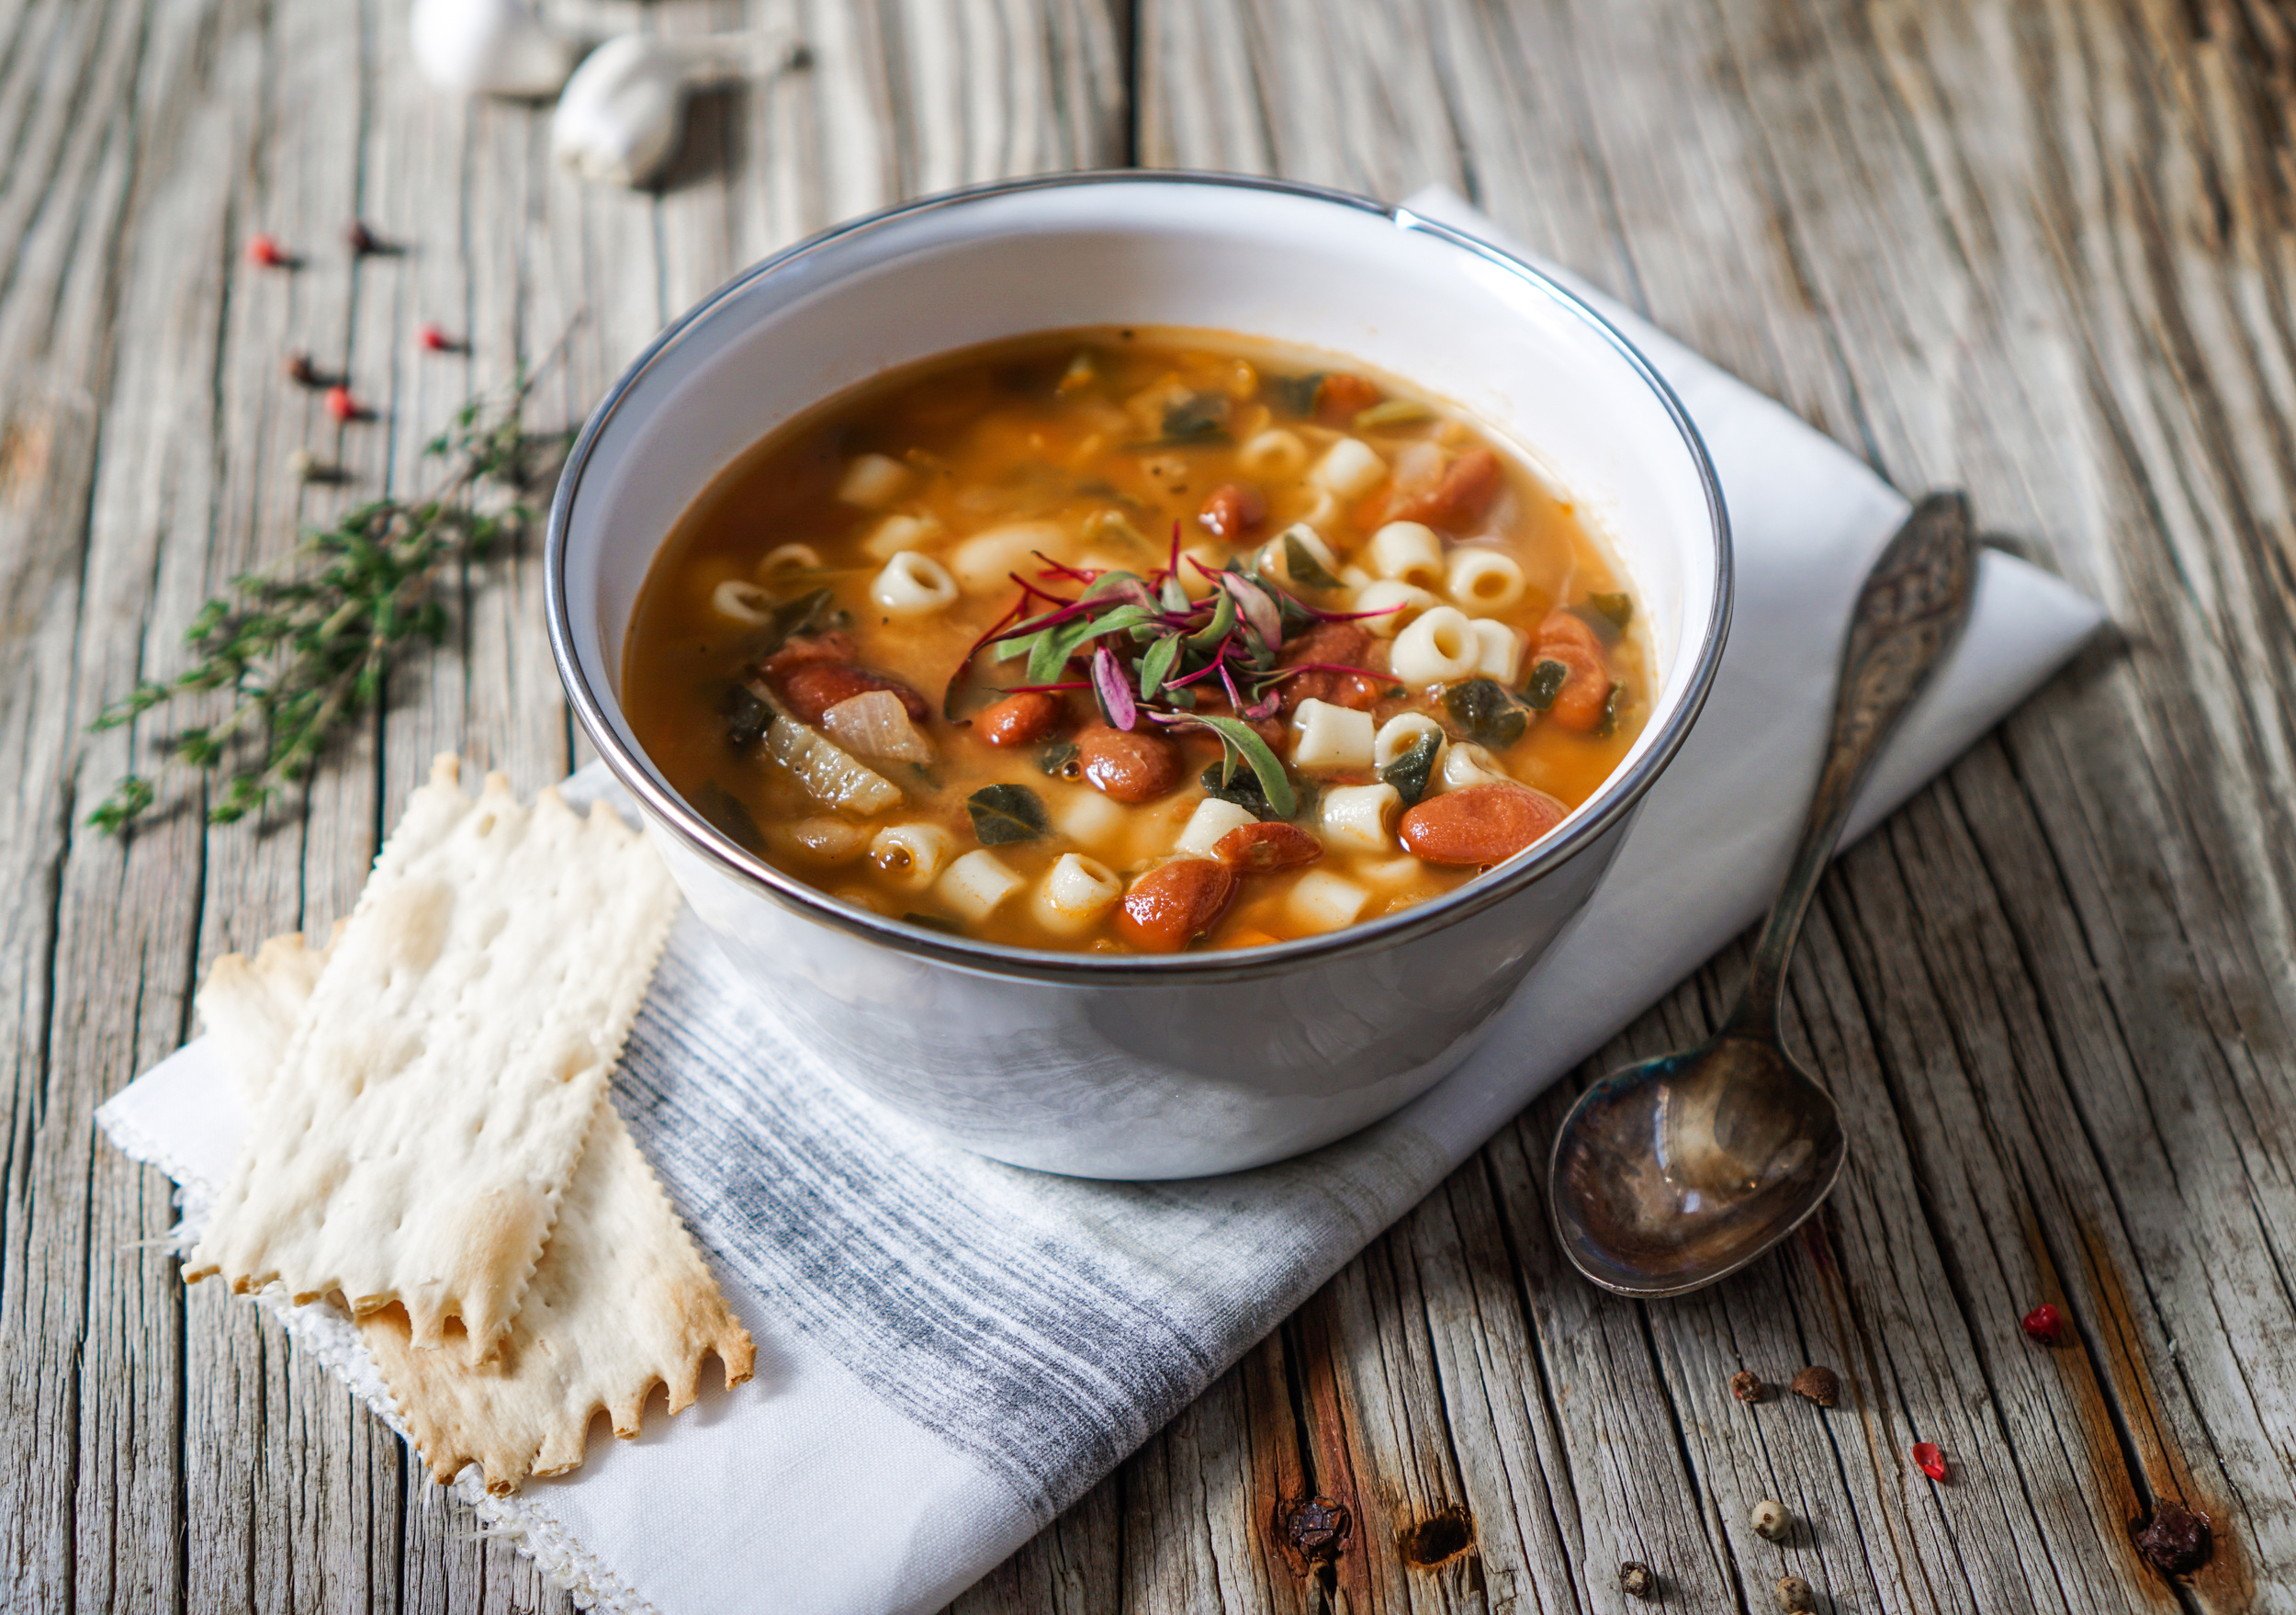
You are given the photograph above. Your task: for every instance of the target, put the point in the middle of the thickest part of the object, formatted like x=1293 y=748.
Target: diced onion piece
x=1400 y=734
x=1325 y=736
x=912 y=856
x=820 y=840
x=1074 y=893
x=1438 y=646
x=1498 y=650
x=1321 y=900
x=872 y=481
x=1350 y=468
x=787 y=558
x=1211 y=820
x=742 y=600
x=897 y=533
x=913 y=585
x=1483 y=581
x=1409 y=550
x=875 y=724
x=984 y=564
x=830 y=776
x=1272 y=454
x=977 y=883
x=1395 y=603
x=1463 y=765
x=1360 y=819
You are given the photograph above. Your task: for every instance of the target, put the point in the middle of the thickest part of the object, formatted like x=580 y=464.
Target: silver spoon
x=1670 y=1174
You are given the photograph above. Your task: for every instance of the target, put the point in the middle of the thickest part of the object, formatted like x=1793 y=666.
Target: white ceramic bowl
x=1115 y=1066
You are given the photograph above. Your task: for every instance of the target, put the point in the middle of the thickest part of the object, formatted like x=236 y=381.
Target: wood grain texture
x=2042 y=251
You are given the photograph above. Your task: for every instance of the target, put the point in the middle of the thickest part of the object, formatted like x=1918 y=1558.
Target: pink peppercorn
x=431 y=338
x=341 y=405
x=1931 y=1459
x=265 y=252
x=2045 y=1323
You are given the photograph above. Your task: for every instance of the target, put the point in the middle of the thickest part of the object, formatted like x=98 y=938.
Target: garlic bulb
x=622 y=116
x=488 y=47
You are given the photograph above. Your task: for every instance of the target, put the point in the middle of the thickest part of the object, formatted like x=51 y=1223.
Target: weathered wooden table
x=2041 y=250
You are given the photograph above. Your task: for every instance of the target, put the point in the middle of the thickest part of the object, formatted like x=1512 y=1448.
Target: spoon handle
x=1910 y=612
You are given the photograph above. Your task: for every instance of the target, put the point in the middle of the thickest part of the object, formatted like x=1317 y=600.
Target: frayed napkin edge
x=323 y=1330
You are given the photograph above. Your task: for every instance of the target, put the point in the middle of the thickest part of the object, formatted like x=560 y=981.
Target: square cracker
x=620 y=1302
x=430 y=1106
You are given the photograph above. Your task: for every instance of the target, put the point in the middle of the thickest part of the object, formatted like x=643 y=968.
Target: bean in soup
x=1133 y=640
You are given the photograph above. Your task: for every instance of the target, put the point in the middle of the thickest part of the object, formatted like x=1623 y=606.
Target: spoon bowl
x=1684 y=1169
x=1672 y=1173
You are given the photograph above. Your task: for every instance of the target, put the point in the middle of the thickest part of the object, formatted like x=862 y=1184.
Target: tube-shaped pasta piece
x=1350 y=468
x=1355 y=578
x=897 y=533
x=820 y=840
x=1324 y=736
x=984 y=564
x=1087 y=818
x=1275 y=558
x=1400 y=733
x=1360 y=819
x=912 y=856
x=1438 y=644
x=913 y=585
x=1272 y=454
x=872 y=481
x=741 y=600
x=1321 y=900
x=1498 y=650
x=786 y=558
x=1484 y=581
x=1463 y=764
x=1211 y=820
x=978 y=884
x=1074 y=893
x=1395 y=603
x=1409 y=550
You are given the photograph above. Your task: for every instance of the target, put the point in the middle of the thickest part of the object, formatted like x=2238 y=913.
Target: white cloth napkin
x=951 y=1350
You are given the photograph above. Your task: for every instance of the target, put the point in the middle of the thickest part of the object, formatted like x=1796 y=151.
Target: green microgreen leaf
x=1488 y=714
x=1222 y=623
x=1006 y=813
x=1238 y=737
x=1172 y=595
x=1409 y=772
x=1548 y=679
x=1156 y=665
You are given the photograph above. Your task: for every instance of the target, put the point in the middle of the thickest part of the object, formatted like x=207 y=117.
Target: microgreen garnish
x=1548 y=679
x=1409 y=772
x=1006 y=813
x=1237 y=737
x=306 y=650
x=1486 y=712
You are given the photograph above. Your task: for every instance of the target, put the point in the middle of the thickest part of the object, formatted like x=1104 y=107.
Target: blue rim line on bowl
x=1617 y=795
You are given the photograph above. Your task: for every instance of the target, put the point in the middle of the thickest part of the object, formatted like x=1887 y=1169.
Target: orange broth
x=1057 y=459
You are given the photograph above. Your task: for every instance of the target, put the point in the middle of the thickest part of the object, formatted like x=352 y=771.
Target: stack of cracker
x=434 y=1145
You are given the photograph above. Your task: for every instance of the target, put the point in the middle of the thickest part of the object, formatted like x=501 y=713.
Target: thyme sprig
x=1154 y=654
x=308 y=647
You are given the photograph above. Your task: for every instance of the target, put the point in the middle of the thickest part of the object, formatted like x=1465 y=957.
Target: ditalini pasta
x=1133 y=640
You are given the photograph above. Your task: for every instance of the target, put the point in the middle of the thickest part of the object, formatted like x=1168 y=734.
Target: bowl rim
x=1614 y=800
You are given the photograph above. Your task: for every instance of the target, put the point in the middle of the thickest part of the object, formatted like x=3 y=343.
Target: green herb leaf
x=730 y=816
x=1610 y=707
x=1172 y=595
x=1230 y=780
x=1239 y=736
x=1619 y=608
x=1295 y=395
x=1301 y=563
x=934 y=922
x=1409 y=773
x=1006 y=813
x=1605 y=626
x=1156 y=665
x=1548 y=679
x=1061 y=760
x=785 y=622
x=747 y=718
x=1486 y=712
x=1200 y=417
